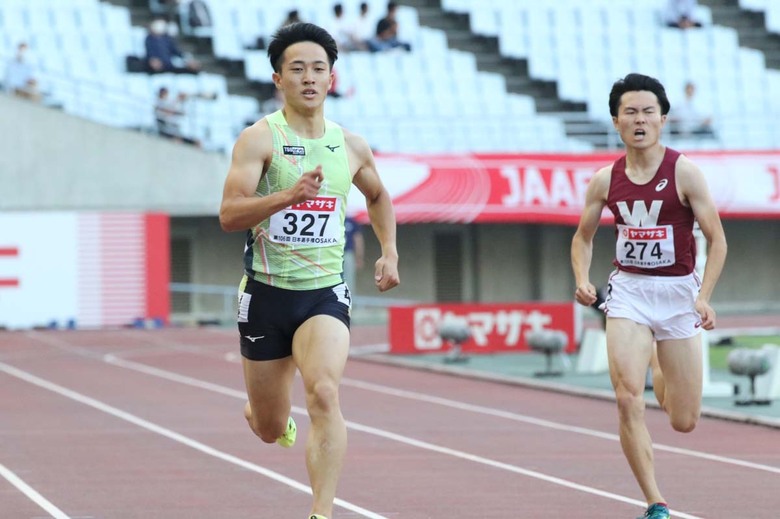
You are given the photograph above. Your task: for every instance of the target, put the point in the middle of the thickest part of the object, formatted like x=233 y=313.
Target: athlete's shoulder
x=687 y=174
x=254 y=142
x=357 y=144
x=603 y=176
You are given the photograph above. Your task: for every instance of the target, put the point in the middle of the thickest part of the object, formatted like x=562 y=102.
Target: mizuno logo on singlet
x=661 y=184
x=332 y=148
x=253 y=339
x=294 y=150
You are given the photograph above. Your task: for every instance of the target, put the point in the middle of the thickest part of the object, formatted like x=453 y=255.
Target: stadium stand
x=483 y=75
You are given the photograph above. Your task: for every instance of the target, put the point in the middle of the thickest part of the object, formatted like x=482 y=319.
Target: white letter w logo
x=639 y=216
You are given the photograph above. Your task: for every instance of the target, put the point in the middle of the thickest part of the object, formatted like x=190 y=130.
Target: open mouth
x=639 y=133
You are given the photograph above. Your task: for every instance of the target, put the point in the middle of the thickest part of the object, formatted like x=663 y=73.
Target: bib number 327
x=313 y=222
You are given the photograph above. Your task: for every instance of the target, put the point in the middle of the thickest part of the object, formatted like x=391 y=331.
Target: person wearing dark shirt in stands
x=163 y=53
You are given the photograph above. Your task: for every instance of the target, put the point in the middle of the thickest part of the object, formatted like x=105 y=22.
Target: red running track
x=148 y=424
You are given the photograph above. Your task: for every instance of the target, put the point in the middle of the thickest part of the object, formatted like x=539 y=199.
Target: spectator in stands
x=681 y=14
x=199 y=15
x=198 y=18
x=386 y=37
x=19 y=77
x=363 y=27
x=391 y=13
x=343 y=31
x=687 y=120
x=169 y=114
x=292 y=17
x=163 y=53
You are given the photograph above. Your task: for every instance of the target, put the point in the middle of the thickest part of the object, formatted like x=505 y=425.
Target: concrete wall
x=51 y=160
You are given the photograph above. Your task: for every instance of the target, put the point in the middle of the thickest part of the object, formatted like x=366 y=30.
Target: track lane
x=385 y=472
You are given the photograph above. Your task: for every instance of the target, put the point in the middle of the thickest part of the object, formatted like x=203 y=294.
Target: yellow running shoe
x=288 y=438
x=317 y=516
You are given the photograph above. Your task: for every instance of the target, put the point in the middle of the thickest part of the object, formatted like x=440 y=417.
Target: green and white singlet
x=302 y=246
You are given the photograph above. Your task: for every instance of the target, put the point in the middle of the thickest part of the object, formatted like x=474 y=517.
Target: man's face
x=305 y=75
x=639 y=120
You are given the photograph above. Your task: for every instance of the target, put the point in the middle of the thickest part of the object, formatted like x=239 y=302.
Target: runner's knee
x=684 y=422
x=267 y=429
x=630 y=404
x=323 y=397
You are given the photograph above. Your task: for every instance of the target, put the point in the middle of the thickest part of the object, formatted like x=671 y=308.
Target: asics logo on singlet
x=332 y=148
x=661 y=185
x=253 y=339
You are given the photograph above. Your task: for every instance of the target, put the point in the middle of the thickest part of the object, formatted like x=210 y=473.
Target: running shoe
x=656 y=511
x=288 y=438
x=317 y=516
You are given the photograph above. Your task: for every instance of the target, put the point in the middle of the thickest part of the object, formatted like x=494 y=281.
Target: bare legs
x=320 y=349
x=630 y=349
x=677 y=383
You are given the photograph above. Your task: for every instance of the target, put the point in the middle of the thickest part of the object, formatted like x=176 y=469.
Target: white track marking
x=508 y=415
x=177 y=437
x=420 y=397
x=183 y=379
x=31 y=493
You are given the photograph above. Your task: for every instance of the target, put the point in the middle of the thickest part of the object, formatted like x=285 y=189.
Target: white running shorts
x=665 y=304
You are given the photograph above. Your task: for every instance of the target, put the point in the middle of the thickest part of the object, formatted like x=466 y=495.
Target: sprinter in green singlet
x=287 y=188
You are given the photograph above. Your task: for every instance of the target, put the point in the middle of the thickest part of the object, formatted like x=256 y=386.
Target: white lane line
x=508 y=415
x=462 y=406
x=183 y=379
x=32 y=494
x=180 y=438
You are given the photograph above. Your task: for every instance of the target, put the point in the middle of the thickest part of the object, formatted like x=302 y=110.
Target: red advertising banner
x=496 y=327
x=550 y=188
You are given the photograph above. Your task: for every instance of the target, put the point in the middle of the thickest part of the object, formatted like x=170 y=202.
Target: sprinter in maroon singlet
x=654 y=295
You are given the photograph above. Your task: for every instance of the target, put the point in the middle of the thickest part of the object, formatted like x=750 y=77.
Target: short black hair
x=633 y=83
x=383 y=25
x=296 y=33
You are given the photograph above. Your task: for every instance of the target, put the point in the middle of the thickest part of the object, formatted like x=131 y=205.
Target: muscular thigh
x=681 y=364
x=268 y=383
x=629 y=347
x=321 y=348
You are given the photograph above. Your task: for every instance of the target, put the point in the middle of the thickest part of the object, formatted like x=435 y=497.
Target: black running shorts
x=268 y=317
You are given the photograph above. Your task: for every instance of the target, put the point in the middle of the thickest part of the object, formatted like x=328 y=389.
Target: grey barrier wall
x=50 y=160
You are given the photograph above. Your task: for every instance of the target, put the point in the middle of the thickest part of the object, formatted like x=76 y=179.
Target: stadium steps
x=515 y=71
x=750 y=27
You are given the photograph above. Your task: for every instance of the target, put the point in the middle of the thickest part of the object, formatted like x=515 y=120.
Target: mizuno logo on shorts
x=253 y=339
